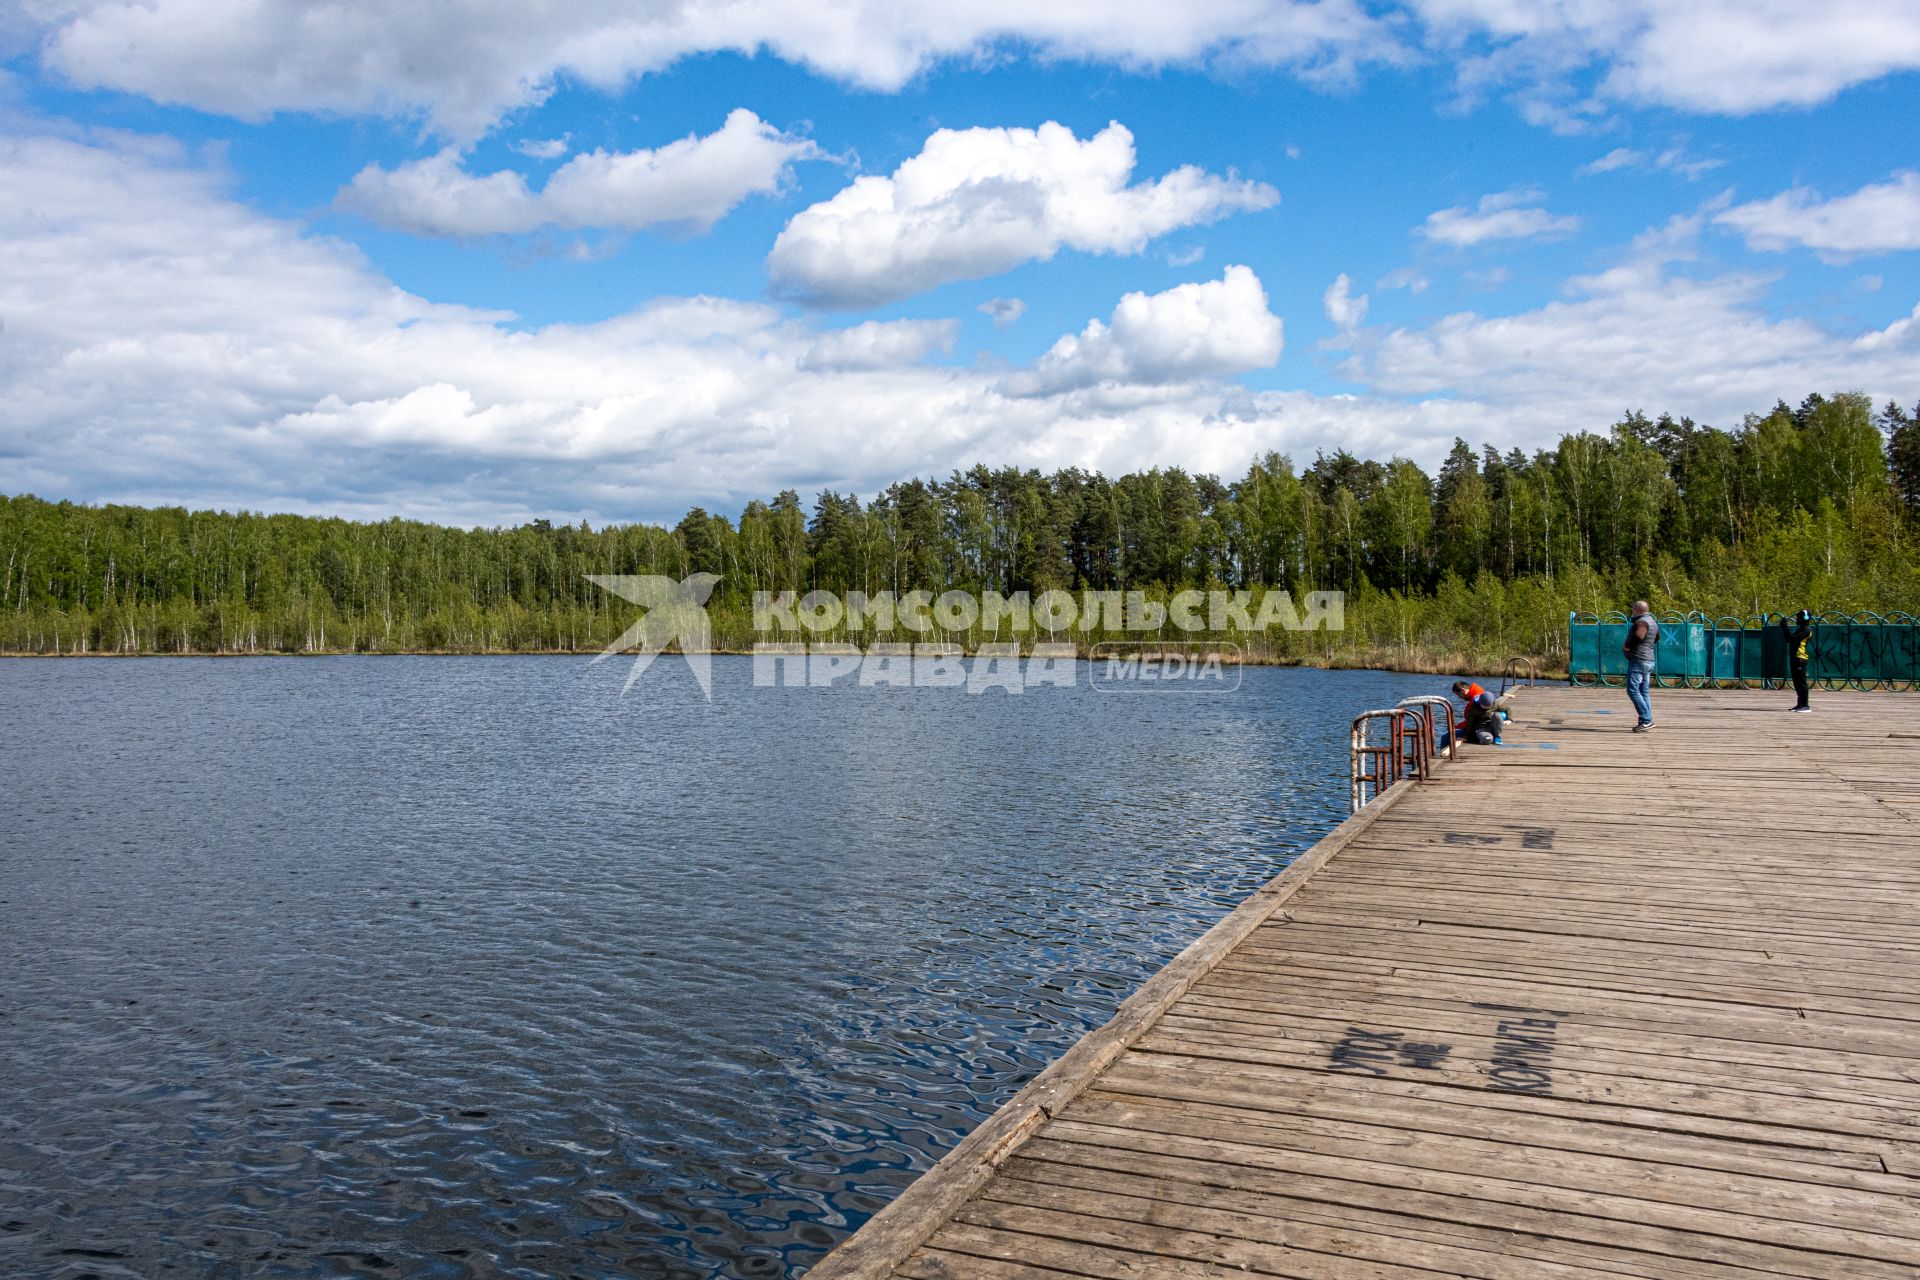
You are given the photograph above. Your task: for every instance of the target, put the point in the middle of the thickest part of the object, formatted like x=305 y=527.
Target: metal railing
x=1436 y=713
x=1516 y=668
x=1412 y=741
x=1373 y=766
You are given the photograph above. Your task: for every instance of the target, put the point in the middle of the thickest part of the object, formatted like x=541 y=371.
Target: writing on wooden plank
x=1375 y=1052
x=1540 y=838
x=1521 y=1061
x=1523 y=1043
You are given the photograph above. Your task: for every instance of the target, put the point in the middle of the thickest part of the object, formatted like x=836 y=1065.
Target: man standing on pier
x=1797 y=636
x=1642 y=646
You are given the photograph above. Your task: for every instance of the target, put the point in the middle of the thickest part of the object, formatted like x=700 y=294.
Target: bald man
x=1641 y=648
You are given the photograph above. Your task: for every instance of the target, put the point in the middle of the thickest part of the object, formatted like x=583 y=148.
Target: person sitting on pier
x=1477 y=721
x=1466 y=691
x=1481 y=723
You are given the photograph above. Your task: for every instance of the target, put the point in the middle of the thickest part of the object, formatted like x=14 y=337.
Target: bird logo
x=676 y=614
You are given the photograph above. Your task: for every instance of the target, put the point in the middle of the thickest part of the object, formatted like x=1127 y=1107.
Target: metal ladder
x=1407 y=751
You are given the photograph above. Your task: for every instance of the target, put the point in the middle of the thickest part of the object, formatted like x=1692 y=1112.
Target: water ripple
x=472 y=968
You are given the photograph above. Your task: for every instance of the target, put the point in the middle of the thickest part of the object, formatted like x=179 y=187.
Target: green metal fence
x=1846 y=651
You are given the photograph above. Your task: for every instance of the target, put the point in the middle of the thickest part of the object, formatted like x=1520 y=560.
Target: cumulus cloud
x=1190 y=332
x=165 y=343
x=1346 y=310
x=1506 y=215
x=1702 y=346
x=880 y=344
x=1003 y=311
x=976 y=202
x=542 y=148
x=1567 y=61
x=693 y=182
x=464 y=64
x=1874 y=219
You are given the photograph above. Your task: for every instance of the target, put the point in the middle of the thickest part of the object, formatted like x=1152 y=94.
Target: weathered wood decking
x=1598 y=1004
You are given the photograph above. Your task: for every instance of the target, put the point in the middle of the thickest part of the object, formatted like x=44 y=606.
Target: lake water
x=423 y=967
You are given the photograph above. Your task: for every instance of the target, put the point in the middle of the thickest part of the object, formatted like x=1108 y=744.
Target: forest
x=1816 y=506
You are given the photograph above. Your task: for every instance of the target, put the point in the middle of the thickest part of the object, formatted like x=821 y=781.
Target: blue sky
x=272 y=256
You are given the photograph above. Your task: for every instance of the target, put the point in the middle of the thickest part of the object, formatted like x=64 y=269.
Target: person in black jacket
x=1482 y=723
x=1798 y=635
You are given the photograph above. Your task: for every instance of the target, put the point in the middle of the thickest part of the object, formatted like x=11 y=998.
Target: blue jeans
x=1639 y=682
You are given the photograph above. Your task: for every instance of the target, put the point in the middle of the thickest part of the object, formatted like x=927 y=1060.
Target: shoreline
x=1419 y=663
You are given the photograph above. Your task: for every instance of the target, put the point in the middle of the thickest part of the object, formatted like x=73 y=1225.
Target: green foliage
x=1816 y=506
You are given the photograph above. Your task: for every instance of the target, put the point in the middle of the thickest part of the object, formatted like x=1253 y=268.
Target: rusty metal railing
x=1410 y=744
x=1373 y=766
x=1515 y=670
x=1437 y=714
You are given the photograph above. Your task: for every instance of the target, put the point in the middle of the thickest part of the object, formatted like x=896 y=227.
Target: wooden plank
x=1634 y=1204
x=932 y=1198
x=1764 y=1025
x=1873 y=1209
x=1653 y=1238
x=1759 y=1147
x=1313 y=1011
x=1582 y=1012
x=1307 y=1043
x=1515 y=1251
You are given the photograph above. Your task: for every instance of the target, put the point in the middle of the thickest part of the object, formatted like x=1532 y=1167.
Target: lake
x=464 y=967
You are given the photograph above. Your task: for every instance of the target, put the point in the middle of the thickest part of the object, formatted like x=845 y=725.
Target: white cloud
x=1408 y=278
x=1638 y=334
x=1616 y=159
x=1739 y=56
x=1506 y=215
x=976 y=202
x=165 y=343
x=466 y=63
x=1676 y=160
x=543 y=148
x=1003 y=311
x=693 y=182
x=1186 y=257
x=1346 y=311
x=1190 y=332
x=1902 y=335
x=880 y=344
x=1673 y=159
x=1874 y=219
x=1728 y=57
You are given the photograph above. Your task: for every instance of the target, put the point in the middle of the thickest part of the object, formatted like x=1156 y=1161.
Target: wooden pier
x=1588 y=1004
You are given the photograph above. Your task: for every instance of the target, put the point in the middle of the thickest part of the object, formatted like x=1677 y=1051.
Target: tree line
x=1816 y=506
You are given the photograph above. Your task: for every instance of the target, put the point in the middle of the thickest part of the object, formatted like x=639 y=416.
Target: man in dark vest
x=1797 y=637
x=1641 y=648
